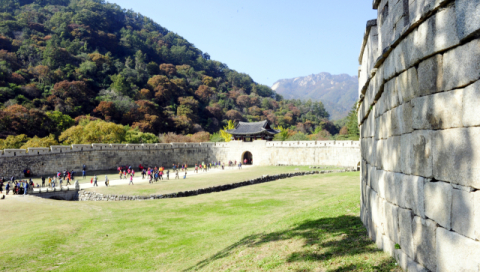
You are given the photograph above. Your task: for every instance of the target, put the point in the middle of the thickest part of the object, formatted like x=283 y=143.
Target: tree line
x=68 y=64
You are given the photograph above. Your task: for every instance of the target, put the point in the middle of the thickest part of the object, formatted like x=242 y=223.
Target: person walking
x=7 y=188
x=176 y=174
x=43 y=181
x=95 y=179
x=25 y=188
x=106 y=181
x=131 y=180
x=168 y=174
x=68 y=181
x=84 y=173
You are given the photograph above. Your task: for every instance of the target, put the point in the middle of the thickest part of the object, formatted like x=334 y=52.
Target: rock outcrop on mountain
x=337 y=92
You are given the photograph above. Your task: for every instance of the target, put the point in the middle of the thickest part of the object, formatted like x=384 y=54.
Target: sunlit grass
x=307 y=223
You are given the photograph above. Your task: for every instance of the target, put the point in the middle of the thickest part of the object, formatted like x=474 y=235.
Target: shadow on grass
x=336 y=237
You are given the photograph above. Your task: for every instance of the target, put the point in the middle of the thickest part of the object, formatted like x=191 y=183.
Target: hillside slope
x=62 y=59
x=337 y=92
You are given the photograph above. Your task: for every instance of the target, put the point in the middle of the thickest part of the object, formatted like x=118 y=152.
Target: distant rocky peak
x=337 y=92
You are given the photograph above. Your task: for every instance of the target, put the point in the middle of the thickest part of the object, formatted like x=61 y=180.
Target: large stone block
x=476 y=219
x=456 y=156
x=405 y=113
x=378 y=83
x=438 y=111
x=406 y=263
x=436 y=34
x=461 y=65
x=414 y=194
x=430 y=76
x=463 y=216
x=385 y=125
x=406 y=153
x=405 y=220
x=378 y=182
x=392 y=155
x=391 y=95
x=377 y=127
x=381 y=147
x=438 y=202
x=401 y=57
x=388 y=245
x=396 y=118
x=391 y=194
x=389 y=67
x=471 y=110
x=407 y=85
x=391 y=220
x=424 y=242
x=455 y=252
x=468 y=17
x=421 y=153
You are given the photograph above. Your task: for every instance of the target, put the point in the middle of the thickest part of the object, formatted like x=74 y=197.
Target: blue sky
x=267 y=39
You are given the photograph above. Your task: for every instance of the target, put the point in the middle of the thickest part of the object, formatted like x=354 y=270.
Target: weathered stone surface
x=430 y=76
x=438 y=111
x=391 y=220
x=389 y=184
x=392 y=155
x=436 y=34
x=461 y=65
x=468 y=17
x=471 y=100
x=402 y=56
x=381 y=147
x=407 y=85
x=407 y=263
x=405 y=220
x=424 y=242
x=455 y=252
x=406 y=151
x=476 y=219
x=463 y=213
x=456 y=157
x=385 y=125
x=391 y=95
x=378 y=83
x=388 y=245
x=405 y=113
x=414 y=197
x=396 y=118
x=438 y=202
x=421 y=155
x=373 y=208
x=389 y=67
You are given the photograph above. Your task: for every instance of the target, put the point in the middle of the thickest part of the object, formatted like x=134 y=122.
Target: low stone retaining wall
x=93 y=196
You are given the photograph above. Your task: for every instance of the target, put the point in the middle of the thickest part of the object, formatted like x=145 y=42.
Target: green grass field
x=196 y=181
x=307 y=223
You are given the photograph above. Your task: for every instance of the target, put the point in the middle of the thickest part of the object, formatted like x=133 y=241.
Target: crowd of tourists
x=65 y=178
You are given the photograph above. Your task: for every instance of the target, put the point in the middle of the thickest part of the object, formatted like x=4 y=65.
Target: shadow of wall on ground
x=353 y=241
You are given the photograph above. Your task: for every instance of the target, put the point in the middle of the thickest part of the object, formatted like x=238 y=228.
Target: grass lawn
x=307 y=223
x=195 y=181
x=229 y=173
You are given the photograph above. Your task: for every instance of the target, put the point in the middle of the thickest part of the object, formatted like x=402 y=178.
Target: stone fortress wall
x=419 y=115
x=47 y=161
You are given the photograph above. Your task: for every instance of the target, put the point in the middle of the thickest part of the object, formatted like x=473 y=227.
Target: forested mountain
x=337 y=92
x=89 y=59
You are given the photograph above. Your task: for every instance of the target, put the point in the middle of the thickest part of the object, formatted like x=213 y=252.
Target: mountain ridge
x=337 y=92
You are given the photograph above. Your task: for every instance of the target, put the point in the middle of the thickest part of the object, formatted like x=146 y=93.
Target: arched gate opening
x=247 y=158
